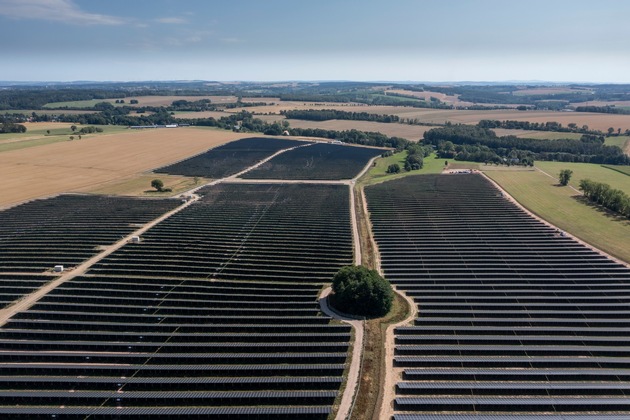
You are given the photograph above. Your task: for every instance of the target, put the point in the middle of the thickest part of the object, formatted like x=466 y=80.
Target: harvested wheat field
x=83 y=164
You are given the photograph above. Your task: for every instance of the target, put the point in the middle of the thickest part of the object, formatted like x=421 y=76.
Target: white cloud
x=172 y=20
x=54 y=10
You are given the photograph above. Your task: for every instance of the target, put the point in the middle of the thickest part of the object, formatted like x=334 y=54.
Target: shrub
x=361 y=291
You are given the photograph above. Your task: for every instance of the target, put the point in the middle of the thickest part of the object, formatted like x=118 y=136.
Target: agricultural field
x=39 y=134
x=214 y=313
x=548 y=135
x=142 y=101
x=406 y=131
x=80 y=165
x=230 y=158
x=609 y=174
x=513 y=317
x=565 y=208
x=320 y=161
x=595 y=121
x=622 y=142
x=139 y=185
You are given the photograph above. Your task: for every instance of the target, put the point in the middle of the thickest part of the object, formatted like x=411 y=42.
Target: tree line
x=600 y=193
x=586 y=149
x=535 y=126
x=334 y=114
x=11 y=127
x=603 y=109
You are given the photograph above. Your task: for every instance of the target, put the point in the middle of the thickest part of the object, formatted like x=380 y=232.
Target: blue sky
x=269 y=40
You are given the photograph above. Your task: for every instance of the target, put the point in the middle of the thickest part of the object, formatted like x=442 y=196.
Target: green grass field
x=592 y=171
x=564 y=208
x=82 y=104
x=619 y=141
x=619 y=168
x=378 y=173
x=40 y=137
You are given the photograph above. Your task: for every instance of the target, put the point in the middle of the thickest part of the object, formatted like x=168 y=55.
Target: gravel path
x=352 y=382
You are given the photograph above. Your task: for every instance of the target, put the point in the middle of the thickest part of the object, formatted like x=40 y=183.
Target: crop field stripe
x=510 y=311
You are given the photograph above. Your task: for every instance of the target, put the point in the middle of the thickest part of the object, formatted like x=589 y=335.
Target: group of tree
x=334 y=114
x=608 y=109
x=367 y=138
x=536 y=126
x=358 y=290
x=11 y=127
x=587 y=149
x=600 y=193
x=415 y=156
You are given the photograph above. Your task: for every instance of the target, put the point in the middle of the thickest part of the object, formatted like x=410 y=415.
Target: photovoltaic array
x=516 y=320
x=229 y=158
x=214 y=314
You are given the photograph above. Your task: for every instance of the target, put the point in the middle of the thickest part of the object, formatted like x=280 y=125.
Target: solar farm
x=514 y=317
x=213 y=312
x=208 y=305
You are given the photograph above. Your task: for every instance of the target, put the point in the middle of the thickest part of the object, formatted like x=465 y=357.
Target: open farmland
x=142 y=101
x=230 y=158
x=320 y=161
x=595 y=121
x=513 y=317
x=409 y=132
x=81 y=164
x=214 y=313
x=608 y=174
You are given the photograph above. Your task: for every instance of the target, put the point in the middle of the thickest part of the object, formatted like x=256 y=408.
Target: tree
x=394 y=168
x=158 y=185
x=73 y=128
x=413 y=162
x=358 y=290
x=47 y=132
x=565 y=176
x=71 y=137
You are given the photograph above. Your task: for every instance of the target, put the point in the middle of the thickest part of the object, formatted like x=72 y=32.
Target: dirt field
x=86 y=164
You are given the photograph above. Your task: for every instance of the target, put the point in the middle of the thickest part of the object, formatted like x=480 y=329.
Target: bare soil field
x=202 y=114
x=409 y=132
x=86 y=164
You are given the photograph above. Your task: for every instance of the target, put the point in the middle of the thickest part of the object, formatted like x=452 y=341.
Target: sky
x=279 y=40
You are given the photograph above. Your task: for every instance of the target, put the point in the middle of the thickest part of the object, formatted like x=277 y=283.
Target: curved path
x=352 y=382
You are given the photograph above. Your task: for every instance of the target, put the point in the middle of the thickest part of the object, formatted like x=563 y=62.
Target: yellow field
x=89 y=163
x=140 y=185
